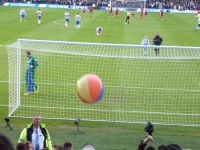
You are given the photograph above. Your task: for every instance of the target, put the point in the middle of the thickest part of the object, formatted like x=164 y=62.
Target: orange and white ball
x=90 y=88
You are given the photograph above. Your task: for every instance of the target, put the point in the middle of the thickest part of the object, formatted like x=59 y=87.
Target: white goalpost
x=139 y=87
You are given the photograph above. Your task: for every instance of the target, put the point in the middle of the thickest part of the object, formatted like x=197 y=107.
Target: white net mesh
x=164 y=89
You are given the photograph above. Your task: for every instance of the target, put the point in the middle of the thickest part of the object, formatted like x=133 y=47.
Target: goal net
x=139 y=87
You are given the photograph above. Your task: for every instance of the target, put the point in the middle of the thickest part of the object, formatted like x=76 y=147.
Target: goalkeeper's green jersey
x=32 y=64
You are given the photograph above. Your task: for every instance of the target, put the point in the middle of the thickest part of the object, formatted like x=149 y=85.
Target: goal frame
x=18 y=46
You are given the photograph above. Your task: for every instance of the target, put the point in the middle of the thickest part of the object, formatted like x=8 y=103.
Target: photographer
x=149 y=138
x=144 y=143
x=157 y=41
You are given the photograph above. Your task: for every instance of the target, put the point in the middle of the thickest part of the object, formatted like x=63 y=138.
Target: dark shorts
x=67 y=20
x=77 y=22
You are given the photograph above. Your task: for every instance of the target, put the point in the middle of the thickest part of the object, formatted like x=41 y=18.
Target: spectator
x=148 y=139
x=150 y=148
x=169 y=147
x=67 y=146
x=24 y=146
x=88 y=147
x=144 y=143
x=37 y=134
x=157 y=41
x=29 y=145
x=21 y=146
x=174 y=147
x=57 y=147
x=162 y=147
x=5 y=143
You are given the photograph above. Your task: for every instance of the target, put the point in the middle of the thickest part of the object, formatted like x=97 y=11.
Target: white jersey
x=198 y=20
x=39 y=13
x=66 y=15
x=22 y=12
x=99 y=30
x=78 y=18
x=145 y=41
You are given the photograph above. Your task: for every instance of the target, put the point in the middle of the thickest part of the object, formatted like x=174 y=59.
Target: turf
x=176 y=29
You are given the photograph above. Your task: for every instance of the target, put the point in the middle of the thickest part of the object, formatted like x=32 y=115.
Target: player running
x=22 y=15
x=66 y=19
x=78 y=20
x=39 y=14
x=32 y=65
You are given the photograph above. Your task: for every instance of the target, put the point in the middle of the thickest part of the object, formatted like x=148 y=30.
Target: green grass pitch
x=176 y=29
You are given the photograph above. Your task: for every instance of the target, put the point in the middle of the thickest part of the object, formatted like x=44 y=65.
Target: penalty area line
x=3 y=105
x=4 y=81
x=3 y=45
x=119 y=86
x=55 y=22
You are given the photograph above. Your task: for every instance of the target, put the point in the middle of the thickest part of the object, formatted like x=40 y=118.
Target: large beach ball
x=90 y=88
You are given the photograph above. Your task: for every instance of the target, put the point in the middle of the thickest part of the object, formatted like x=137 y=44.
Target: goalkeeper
x=32 y=65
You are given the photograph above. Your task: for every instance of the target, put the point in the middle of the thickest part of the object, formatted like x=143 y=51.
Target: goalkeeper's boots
x=37 y=89
x=27 y=94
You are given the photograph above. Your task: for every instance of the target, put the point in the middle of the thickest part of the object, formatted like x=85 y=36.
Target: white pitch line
x=4 y=81
x=115 y=110
x=55 y=22
x=3 y=45
x=63 y=24
x=125 y=87
x=3 y=105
